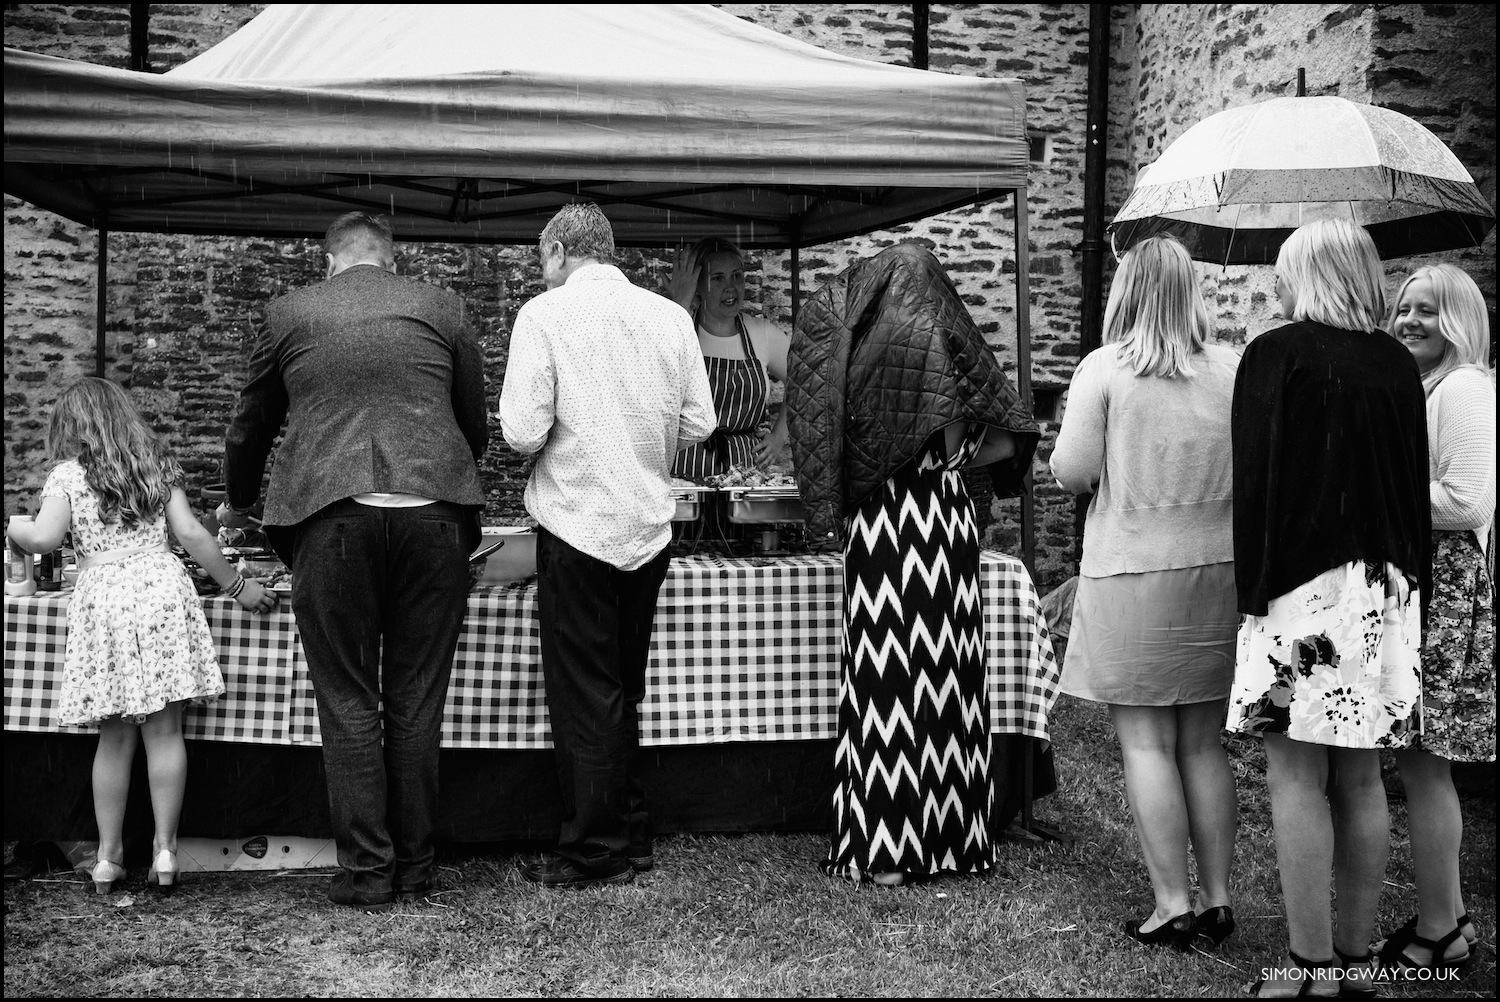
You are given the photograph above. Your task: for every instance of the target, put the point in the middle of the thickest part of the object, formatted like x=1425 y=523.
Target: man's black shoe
x=641 y=863
x=341 y=892
x=558 y=872
x=414 y=890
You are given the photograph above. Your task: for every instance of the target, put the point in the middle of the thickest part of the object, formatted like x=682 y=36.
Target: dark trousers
x=596 y=636
x=379 y=595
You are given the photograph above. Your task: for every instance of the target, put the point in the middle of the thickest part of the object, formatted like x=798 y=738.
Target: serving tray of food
x=689 y=499
x=751 y=505
x=758 y=496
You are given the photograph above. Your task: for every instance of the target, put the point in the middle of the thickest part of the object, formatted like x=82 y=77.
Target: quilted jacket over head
x=882 y=357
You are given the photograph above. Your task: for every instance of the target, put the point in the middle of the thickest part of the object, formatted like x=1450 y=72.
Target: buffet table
x=743 y=681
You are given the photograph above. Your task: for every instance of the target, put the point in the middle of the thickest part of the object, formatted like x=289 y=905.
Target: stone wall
x=181 y=310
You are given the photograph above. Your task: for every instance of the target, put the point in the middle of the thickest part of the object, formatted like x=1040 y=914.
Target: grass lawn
x=721 y=916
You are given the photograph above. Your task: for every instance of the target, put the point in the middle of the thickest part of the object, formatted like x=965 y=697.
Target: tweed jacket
x=380 y=383
x=884 y=356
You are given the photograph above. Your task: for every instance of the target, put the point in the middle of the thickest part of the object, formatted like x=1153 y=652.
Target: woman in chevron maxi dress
x=913 y=794
x=892 y=390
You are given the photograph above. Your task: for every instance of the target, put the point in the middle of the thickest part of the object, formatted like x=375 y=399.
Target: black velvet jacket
x=1329 y=431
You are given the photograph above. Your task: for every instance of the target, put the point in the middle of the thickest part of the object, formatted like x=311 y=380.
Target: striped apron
x=739 y=390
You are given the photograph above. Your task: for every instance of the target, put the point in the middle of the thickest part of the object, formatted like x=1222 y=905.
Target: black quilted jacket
x=882 y=357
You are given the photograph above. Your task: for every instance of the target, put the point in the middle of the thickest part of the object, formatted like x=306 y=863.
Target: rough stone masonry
x=181 y=310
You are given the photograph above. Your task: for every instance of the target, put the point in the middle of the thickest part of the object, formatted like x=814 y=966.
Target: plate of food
x=279 y=582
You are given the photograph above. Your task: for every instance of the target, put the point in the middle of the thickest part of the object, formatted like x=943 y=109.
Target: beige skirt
x=1161 y=638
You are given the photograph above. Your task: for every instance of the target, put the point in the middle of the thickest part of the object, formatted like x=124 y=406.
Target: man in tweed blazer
x=373 y=503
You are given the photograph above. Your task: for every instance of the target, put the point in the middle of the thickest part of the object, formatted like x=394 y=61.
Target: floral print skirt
x=1458 y=653
x=1334 y=661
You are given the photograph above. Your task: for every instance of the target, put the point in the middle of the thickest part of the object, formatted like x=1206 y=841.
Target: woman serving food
x=741 y=354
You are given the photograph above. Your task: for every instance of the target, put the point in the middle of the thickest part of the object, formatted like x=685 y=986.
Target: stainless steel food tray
x=754 y=505
x=689 y=502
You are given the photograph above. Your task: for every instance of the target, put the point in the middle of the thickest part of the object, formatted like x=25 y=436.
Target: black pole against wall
x=1093 y=246
x=140 y=16
x=796 y=263
x=103 y=273
x=1023 y=369
x=919 y=18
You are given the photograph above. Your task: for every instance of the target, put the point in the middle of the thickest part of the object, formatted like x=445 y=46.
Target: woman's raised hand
x=687 y=269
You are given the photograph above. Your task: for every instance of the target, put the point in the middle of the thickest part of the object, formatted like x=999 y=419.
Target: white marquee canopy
x=474 y=122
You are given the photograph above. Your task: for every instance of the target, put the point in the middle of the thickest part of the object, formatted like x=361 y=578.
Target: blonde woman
x=1146 y=431
x=1331 y=541
x=1440 y=317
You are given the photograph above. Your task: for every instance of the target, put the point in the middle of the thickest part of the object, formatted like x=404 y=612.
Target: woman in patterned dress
x=1331 y=540
x=913 y=794
x=893 y=392
x=138 y=647
x=1441 y=317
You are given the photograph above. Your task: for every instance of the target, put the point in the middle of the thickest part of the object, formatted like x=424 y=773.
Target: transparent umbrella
x=1234 y=186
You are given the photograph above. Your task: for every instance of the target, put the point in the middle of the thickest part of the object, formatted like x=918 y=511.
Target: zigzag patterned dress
x=913 y=790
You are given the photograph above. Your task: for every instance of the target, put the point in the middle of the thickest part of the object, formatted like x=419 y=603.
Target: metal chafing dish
x=689 y=499
x=759 y=505
x=506 y=554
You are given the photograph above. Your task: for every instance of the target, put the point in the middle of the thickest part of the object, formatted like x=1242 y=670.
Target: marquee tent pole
x=1023 y=369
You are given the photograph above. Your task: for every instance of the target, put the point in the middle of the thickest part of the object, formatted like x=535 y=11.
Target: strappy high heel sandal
x=1309 y=987
x=163 y=873
x=1357 y=974
x=1410 y=928
x=1393 y=953
x=106 y=875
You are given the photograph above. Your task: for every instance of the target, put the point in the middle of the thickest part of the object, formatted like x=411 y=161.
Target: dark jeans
x=596 y=636
x=380 y=595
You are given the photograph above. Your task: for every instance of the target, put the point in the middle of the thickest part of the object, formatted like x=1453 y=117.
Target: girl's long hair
x=1155 y=309
x=125 y=463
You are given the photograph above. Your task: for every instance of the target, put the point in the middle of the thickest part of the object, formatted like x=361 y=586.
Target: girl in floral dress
x=1441 y=318
x=1331 y=549
x=138 y=646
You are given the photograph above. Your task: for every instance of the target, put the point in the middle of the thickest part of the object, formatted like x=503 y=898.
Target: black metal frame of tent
x=781 y=162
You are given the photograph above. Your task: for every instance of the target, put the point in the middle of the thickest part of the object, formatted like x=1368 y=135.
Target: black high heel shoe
x=1176 y=932
x=1216 y=923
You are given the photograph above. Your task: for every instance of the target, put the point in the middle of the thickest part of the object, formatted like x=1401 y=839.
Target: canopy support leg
x=1023 y=371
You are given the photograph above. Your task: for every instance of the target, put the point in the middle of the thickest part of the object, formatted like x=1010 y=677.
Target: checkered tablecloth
x=743 y=650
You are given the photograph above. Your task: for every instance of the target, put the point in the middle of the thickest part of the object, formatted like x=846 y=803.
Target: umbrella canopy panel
x=1234 y=186
x=474 y=122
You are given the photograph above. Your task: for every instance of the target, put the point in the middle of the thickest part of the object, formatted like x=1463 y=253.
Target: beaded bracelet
x=233 y=591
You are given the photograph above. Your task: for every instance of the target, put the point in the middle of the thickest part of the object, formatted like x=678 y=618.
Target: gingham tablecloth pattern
x=743 y=650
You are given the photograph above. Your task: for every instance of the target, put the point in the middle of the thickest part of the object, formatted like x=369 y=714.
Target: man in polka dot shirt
x=605 y=382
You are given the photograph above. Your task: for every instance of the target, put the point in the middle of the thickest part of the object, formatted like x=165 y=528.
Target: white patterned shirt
x=606 y=382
